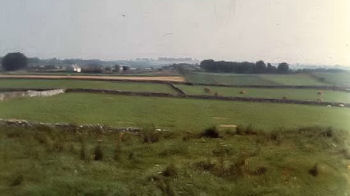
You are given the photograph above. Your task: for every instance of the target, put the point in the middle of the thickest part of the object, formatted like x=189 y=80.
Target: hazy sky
x=297 y=31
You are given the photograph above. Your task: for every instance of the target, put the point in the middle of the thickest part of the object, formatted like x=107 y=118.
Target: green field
x=65 y=73
x=293 y=79
x=270 y=153
x=275 y=93
x=228 y=79
x=254 y=79
x=87 y=84
x=336 y=79
x=170 y=113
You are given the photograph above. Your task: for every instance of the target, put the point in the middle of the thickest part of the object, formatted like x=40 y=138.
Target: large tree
x=14 y=61
x=235 y=67
x=260 y=67
x=283 y=67
x=270 y=68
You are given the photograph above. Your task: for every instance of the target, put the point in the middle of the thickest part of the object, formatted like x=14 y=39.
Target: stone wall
x=68 y=126
x=29 y=93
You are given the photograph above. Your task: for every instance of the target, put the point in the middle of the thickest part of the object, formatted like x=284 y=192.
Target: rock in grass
x=314 y=170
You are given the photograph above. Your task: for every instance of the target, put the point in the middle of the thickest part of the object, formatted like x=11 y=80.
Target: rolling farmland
x=84 y=84
x=115 y=110
x=183 y=141
x=277 y=93
x=254 y=79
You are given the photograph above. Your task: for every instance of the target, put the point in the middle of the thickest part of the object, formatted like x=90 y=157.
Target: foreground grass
x=298 y=94
x=87 y=84
x=47 y=161
x=170 y=113
x=254 y=79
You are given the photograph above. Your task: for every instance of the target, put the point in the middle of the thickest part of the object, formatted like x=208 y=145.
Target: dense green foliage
x=283 y=68
x=242 y=67
x=46 y=161
x=170 y=113
x=14 y=61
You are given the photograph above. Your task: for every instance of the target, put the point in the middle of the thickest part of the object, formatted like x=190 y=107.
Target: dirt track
x=131 y=78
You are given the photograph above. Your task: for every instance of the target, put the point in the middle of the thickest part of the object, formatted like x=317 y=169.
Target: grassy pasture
x=228 y=79
x=46 y=161
x=293 y=79
x=126 y=86
x=299 y=94
x=336 y=79
x=254 y=79
x=281 y=160
x=63 y=73
x=170 y=113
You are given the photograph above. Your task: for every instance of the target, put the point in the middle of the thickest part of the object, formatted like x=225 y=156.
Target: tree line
x=243 y=67
x=17 y=61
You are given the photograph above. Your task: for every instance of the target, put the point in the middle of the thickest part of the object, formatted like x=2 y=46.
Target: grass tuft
x=211 y=132
x=18 y=180
x=314 y=170
x=170 y=171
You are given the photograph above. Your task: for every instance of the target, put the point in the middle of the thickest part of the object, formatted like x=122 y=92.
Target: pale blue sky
x=297 y=31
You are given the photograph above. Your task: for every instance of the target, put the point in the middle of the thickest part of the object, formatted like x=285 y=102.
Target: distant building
x=76 y=68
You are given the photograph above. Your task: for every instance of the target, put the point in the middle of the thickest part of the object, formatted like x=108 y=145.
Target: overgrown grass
x=245 y=161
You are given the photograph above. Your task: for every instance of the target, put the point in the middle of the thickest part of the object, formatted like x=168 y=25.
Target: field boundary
x=162 y=79
x=334 y=88
x=178 y=90
x=223 y=98
x=245 y=99
x=68 y=126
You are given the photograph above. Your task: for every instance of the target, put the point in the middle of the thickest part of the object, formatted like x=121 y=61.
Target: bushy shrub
x=150 y=134
x=170 y=171
x=207 y=90
x=98 y=153
x=211 y=132
x=205 y=165
x=314 y=170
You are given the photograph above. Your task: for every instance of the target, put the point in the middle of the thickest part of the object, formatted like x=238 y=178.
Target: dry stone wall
x=29 y=93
